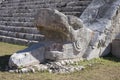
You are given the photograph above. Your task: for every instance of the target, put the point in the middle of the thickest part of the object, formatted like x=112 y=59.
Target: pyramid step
x=38 y=1
x=75 y=3
x=28 y=4
x=17 y=15
x=45 y=5
x=79 y=3
x=27 y=36
x=32 y=30
x=19 y=19
x=72 y=9
x=17 y=40
x=73 y=13
x=34 y=5
x=16 y=10
x=33 y=14
x=33 y=11
x=16 y=23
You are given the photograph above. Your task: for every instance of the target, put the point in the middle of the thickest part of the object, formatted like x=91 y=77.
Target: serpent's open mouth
x=55 y=47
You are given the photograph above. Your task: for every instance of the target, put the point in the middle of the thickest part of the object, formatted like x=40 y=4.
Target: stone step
x=36 y=37
x=32 y=12
x=17 y=14
x=32 y=15
x=74 y=3
x=79 y=3
x=28 y=6
x=40 y=1
x=17 y=40
x=20 y=10
x=72 y=9
x=29 y=9
x=19 y=19
x=73 y=13
x=30 y=1
x=32 y=30
x=45 y=5
x=16 y=23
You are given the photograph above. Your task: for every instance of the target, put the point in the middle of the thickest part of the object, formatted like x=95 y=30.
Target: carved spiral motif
x=77 y=45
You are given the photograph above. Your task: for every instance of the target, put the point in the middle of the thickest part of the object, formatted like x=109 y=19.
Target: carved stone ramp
x=103 y=18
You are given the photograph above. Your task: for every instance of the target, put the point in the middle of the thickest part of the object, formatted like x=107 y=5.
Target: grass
x=106 y=68
x=7 y=49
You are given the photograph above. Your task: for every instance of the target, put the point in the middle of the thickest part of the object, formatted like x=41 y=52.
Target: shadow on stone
x=111 y=58
x=4 y=62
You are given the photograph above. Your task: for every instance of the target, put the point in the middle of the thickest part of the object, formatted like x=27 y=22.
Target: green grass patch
x=6 y=50
x=106 y=68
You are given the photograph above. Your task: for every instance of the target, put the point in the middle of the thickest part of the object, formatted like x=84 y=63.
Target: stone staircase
x=17 y=18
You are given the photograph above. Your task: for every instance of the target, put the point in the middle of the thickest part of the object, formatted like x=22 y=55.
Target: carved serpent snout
x=61 y=28
x=57 y=26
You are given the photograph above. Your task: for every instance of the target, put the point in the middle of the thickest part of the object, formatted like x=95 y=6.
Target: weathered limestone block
x=27 y=57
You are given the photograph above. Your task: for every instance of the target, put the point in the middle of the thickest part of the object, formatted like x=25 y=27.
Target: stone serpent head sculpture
x=66 y=38
x=67 y=35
